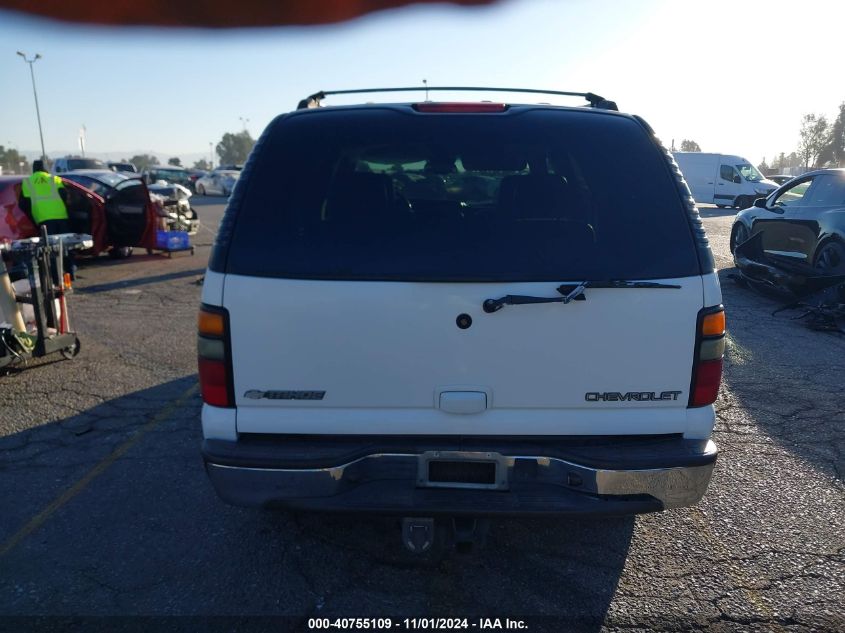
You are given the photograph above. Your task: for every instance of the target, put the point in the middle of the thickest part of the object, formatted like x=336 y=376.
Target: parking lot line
x=38 y=520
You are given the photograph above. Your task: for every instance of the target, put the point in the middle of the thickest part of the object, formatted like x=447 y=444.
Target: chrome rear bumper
x=382 y=481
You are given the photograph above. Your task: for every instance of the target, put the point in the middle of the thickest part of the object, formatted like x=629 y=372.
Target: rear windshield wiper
x=569 y=292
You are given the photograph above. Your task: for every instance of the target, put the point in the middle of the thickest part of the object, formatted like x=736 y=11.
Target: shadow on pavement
x=141 y=281
x=206 y=201
x=782 y=374
x=566 y=568
x=148 y=536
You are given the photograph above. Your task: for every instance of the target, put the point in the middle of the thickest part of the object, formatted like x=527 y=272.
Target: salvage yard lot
x=106 y=510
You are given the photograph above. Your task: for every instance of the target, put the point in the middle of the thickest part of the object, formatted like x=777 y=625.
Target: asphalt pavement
x=107 y=521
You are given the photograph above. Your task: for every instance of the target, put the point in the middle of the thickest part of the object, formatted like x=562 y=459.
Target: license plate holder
x=462 y=469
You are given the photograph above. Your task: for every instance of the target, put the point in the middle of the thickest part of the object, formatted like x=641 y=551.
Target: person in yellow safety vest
x=43 y=197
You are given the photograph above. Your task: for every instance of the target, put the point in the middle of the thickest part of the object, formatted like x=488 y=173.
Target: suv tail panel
x=375 y=357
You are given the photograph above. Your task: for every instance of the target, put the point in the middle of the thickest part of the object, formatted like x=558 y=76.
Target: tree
x=175 y=161
x=834 y=150
x=813 y=138
x=10 y=161
x=786 y=162
x=202 y=164
x=143 y=161
x=234 y=148
x=690 y=146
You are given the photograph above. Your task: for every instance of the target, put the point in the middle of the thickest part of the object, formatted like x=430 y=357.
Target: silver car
x=217 y=183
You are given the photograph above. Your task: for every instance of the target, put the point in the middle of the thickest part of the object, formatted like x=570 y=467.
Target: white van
x=460 y=309
x=723 y=179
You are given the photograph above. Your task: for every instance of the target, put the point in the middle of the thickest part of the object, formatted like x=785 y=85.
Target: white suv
x=460 y=309
x=72 y=163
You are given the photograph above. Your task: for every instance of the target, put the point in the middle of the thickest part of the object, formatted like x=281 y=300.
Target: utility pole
x=35 y=94
x=211 y=154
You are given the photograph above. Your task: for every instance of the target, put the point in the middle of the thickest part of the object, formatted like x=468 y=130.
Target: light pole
x=35 y=94
x=244 y=122
x=211 y=153
x=82 y=132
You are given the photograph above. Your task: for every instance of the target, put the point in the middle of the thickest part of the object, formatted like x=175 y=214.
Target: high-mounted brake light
x=214 y=357
x=707 y=362
x=460 y=108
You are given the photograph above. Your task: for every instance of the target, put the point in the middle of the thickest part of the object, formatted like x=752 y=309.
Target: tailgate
x=346 y=357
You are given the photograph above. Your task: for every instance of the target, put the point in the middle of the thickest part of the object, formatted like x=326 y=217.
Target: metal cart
x=42 y=258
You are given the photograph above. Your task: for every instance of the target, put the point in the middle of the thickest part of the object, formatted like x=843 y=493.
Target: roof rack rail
x=595 y=101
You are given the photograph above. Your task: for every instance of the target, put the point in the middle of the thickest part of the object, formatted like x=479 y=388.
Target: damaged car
x=793 y=241
x=174 y=207
x=118 y=217
x=801 y=225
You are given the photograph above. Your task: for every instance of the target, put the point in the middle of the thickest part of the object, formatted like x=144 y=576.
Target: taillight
x=709 y=350
x=458 y=108
x=214 y=357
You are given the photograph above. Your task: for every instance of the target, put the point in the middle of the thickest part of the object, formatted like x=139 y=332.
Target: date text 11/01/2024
x=431 y=624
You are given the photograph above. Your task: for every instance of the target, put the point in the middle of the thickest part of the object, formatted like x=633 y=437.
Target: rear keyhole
x=463 y=321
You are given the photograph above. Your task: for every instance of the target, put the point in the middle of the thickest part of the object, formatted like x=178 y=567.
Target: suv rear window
x=386 y=194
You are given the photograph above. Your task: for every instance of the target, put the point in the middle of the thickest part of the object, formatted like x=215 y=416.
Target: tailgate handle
x=463 y=402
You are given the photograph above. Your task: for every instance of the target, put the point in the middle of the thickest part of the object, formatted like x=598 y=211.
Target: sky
x=736 y=77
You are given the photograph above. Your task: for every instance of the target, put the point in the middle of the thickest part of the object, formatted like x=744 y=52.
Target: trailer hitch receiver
x=418 y=534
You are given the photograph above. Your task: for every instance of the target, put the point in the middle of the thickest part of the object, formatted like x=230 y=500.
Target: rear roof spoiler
x=595 y=101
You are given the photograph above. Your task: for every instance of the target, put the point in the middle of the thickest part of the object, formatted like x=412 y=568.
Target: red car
x=124 y=218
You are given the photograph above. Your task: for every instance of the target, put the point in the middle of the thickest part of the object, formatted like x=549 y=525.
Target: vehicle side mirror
x=760 y=203
x=737 y=180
